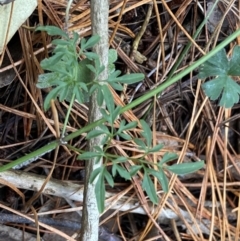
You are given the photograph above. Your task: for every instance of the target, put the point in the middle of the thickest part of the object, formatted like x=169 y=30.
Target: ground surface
x=199 y=206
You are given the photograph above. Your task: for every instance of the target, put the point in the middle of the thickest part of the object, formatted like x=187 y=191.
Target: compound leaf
x=223 y=85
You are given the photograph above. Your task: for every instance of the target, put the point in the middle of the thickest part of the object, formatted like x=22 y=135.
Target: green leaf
x=227 y=86
x=99 y=150
x=76 y=37
x=108 y=177
x=156 y=148
x=214 y=87
x=84 y=73
x=113 y=77
x=93 y=88
x=108 y=98
x=122 y=172
x=82 y=44
x=234 y=68
x=47 y=63
x=148 y=186
x=82 y=85
x=91 y=55
x=185 y=168
x=167 y=157
x=223 y=85
x=115 y=113
x=120 y=159
x=105 y=115
x=90 y=42
x=230 y=94
x=95 y=133
x=99 y=68
x=216 y=65
x=105 y=140
x=114 y=169
x=112 y=56
x=52 y=95
x=125 y=136
x=100 y=193
x=130 y=78
x=147 y=133
x=134 y=169
x=92 y=68
x=61 y=42
x=44 y=80
x=141 y=144
x=59 y=67
x=79 y=95
x=63 y=93
x=116 y=86
x=162 y=178
x=52 y=30
x=95 y=173
x=100 y=96
x=129 y=126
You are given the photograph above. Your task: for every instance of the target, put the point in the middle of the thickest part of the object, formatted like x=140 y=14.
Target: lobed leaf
x=223 y=85
x=217 y=65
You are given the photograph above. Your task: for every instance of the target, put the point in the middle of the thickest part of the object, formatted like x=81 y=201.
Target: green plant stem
x=67 y=116
x=131 y=105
